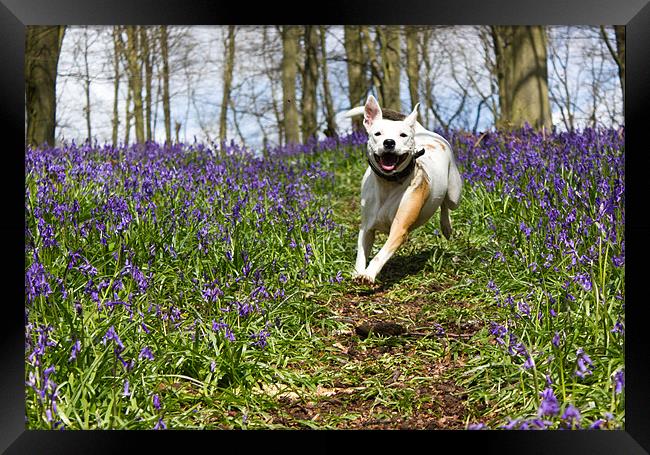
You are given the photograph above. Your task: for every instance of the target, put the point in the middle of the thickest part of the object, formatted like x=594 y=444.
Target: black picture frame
x=16 y=14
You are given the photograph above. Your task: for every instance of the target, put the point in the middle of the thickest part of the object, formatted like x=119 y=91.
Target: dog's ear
x=413 y=116
x=371 y=112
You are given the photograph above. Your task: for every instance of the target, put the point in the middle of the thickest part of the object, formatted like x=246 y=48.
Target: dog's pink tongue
x=388 y=162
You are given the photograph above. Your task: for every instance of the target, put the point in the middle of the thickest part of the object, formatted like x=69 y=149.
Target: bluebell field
x=150 y=261
x=555 y=208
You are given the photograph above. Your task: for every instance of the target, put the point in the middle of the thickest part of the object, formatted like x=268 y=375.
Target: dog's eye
x=378 y=133
x=403 y=135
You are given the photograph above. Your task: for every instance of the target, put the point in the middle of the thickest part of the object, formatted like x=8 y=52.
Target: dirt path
x=397 y=380
x=406 y=379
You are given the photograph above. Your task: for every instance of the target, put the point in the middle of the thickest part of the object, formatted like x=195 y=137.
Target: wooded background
x=272 y=85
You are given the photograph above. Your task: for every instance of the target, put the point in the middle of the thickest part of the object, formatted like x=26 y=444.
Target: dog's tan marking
x=430 y=147
x=409 y=210
x=440 y=144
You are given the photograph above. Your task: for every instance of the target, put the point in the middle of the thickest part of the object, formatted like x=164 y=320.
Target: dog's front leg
x=397 y=236
x=364 y=245
x=406 y=216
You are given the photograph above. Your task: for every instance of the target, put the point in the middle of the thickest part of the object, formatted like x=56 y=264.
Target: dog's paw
x=363 y=279
x=446 y=231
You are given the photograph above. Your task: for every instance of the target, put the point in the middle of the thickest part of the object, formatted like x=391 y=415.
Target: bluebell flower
x=260 y=338
x=160 y=425
x=583 y=362
x=619 y=381
x=76 y=347
x=37 y=282
x=511 y=424
x=525 y=229
x=571 y=416
x=584 y=280
x=549 y=405
x=618 y=327
x=598 y=424
x=529 y=362
x=146 y=353
x=556 y=339
x=477 y=426
x=111 y=335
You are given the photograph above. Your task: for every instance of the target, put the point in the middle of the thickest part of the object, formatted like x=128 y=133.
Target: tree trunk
x=356 y=69
x=327 y=95
x=309 y=83
x=148 y=75
x=87 y=86
x=158 y=88
x=164 y=52
x=375 y=68
x=500 y=69
x=42 y=49
x=177 y=128
x=618 y=54
x=271 y=73
x=428 y=78
x=127 y=117
x=619 y=30
x=290 y=36
x=390 y=56
x=227 y=82
x=412 y=63
x=135 y=81
x=522 y=76
x=117 y=51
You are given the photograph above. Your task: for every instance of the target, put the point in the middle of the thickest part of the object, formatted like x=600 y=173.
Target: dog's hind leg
x=454 y=187
x=452 y=199
x=445 y=220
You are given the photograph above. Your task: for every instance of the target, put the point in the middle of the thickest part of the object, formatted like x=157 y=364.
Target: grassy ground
x=185 y=352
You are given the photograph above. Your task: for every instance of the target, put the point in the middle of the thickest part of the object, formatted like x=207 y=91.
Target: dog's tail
x=355 y=111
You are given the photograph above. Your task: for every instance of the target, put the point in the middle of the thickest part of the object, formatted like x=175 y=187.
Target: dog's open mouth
x=390 y=161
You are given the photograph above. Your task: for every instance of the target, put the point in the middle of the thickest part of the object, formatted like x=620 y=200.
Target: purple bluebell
x=477 y=426
x=598 y=424
x=111 y=335
x=160 y=425
x=571 y=416
x=583 y=362
x=556 y=339
x=76 y=347
x=260 y=338
x=146 y=353
x=619 y=327
x=549 y=405
x=619 y=381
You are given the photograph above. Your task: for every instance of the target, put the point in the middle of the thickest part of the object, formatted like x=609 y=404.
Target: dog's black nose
x=389 y=144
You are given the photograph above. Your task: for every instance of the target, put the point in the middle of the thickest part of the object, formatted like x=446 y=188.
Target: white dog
x=411 y=173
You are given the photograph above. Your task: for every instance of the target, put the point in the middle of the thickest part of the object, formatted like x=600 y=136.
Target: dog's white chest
x=380 y=199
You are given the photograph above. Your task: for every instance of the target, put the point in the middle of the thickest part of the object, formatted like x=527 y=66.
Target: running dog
x=411 y=174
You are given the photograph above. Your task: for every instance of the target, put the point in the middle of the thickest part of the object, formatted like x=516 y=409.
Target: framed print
x=421 y=217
